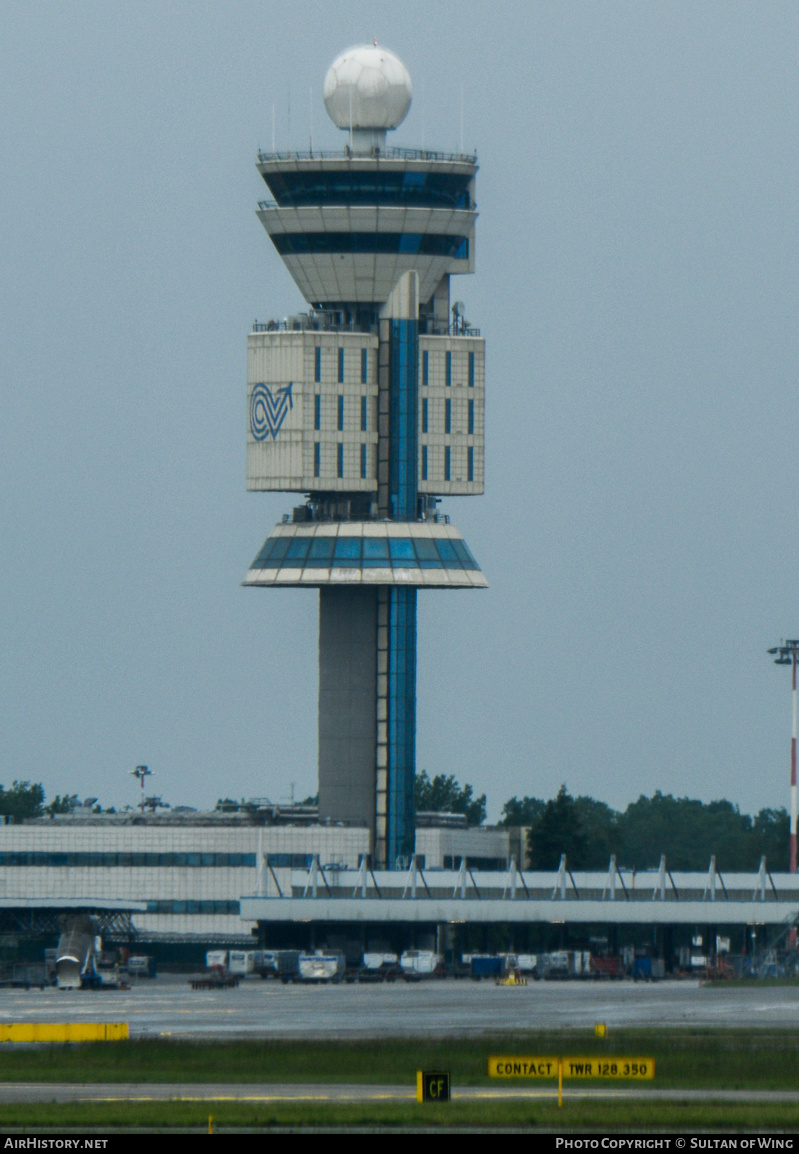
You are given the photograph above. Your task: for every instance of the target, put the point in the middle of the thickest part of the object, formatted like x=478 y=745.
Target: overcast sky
x=637 y=288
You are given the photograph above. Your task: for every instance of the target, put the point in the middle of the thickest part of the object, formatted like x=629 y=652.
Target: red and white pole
x=793 y=771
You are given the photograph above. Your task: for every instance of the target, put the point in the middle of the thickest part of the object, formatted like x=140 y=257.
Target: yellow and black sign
x=523 y=1067
x=432 y=1086
x=638 y=1069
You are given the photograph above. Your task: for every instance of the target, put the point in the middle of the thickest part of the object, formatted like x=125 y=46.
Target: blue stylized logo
x=267 y=413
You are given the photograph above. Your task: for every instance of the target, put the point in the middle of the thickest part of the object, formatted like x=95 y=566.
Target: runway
x=167 y=1007
x=62 y=1092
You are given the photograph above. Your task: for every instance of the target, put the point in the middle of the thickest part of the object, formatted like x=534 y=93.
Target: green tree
x=522 y=811
x=443 y=794
x=22 y=801
x=557 y=831
x=64 y=804
x=771 y=832
x=688 y=831
x=600 y=828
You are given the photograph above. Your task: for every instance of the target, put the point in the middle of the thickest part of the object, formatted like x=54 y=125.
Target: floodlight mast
x=786 y=654
x=141 y=772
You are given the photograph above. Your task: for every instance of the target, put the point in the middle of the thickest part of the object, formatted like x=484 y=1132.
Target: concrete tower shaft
x=371 y=404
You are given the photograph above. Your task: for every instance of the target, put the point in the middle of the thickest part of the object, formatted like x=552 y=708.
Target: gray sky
x=636 y=284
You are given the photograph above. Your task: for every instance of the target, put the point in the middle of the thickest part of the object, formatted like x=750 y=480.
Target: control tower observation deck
x=372 y=405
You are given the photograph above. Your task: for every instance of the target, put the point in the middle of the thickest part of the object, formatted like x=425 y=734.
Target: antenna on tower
x=461 y=118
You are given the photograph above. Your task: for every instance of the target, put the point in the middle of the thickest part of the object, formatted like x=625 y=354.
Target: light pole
x=141 y=772
x=786 y=654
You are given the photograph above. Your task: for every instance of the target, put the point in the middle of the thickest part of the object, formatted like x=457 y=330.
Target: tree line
x=589 y=831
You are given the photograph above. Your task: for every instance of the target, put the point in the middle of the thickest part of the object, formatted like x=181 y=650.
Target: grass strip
x=723 y=1059
x=576 y=1116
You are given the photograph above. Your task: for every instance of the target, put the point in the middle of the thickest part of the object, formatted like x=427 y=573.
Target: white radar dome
x=367 y=87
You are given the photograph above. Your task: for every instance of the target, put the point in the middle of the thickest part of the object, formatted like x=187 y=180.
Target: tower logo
x=267 y=413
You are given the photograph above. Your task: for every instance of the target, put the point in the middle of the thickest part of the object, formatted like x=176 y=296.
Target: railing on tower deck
x=318 y=322
x=377 y=153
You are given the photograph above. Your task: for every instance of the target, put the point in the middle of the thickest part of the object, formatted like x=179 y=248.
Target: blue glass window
x=446 y=552
x=297 y=551
x=347 y=551
x=316 y=461
x=341 y=366
x=449 y=369
x=347 y=186
x=364 y=414
x=317 y=412
x=427 y=553
x=424 y=462
x=470 y=464
x=341 y=415
x=363 y=462
x=463 y=555
x=471 y=417
x=425 y=244
x=364 y=366
x=401 y=549
x=471 y=370
x=339 y=460
x=410 y=242
x=425 y=367
x=424 y=414
x=375 y=552
x=447 y=463
x=448 y=416
x=317 y=372
x=320 y=552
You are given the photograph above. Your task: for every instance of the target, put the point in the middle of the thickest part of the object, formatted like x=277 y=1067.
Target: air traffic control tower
x=372 y=405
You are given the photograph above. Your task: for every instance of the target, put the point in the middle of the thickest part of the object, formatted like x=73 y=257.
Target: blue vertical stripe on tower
x=403 y=494
x=403 y=380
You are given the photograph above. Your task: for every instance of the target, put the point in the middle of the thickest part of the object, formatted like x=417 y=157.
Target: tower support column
x=347 y=703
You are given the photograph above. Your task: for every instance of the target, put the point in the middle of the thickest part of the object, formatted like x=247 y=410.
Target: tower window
x=339 y=459
x=471 y=370
x=341 y=414
x=317 y=412
x=449 y=369
x=317 y=371
x=341 y=366
x=447 y=462
x=364 y=414
x=447 y=416
x=424 y=415
x=470 y=464
x=425 y=368
x=364 y=366
x=471 y=417
x=316 y=461
x=363 y=462
x=424 y=462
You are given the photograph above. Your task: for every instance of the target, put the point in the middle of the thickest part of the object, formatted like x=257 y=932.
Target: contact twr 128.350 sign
x=517 y=1066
